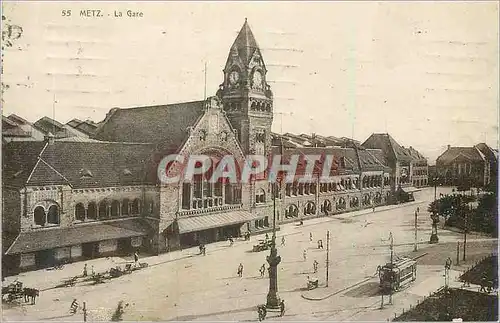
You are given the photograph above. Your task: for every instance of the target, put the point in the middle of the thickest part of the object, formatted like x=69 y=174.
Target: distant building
x=471 y=166
x=48 y=125
x=87 y=127
x=15 y=128
x=409 y=169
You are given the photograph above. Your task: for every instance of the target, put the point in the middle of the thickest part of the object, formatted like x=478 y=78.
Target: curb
x=337 y=292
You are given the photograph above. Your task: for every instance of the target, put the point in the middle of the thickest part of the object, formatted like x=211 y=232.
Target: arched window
x=310 y=208
x=135 y=207
x=80 y=212
x=53 y=215
x=92 y=211
x=125 y=207
x=260 y=197
x=291 y=211
x=39 y=215
x=115 y=209
x=103 y=210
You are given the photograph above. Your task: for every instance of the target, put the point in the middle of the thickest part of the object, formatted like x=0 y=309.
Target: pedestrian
x=85 y=270
x=321 y=243
x=310 y=236
x=262 y=270
x=283 y=240
x=74 y=306
x=136 y=257
x=282 y=307
x=315 y=266
x=304 y=255
x=267 y=237
x=418 y=209
x=204 y=250
x=240 y=270
x=92 y=270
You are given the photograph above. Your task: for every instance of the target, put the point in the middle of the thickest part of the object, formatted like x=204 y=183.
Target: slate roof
x=471 y=153
x=245 y=43
x=385 y=142
x=64 y=162
x=17 y=119
x=87 y=127
x=166 y=125
x=12 y=129
x=59 y=237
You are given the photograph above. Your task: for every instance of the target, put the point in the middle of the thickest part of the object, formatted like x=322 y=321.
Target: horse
x=31 y=293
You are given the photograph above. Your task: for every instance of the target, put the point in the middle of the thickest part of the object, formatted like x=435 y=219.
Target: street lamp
x=435 y=215
x=273 y=299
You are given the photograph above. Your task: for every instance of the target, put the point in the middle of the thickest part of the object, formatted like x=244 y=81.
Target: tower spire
x=245 y=43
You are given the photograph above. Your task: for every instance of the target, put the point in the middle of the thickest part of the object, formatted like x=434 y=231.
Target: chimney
x=49 y=138
x=449 y=146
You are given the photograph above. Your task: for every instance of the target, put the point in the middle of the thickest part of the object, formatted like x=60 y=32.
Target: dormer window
x=85 y=173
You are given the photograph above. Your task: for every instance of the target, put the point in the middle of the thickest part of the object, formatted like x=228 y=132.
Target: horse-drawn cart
x=12 y=292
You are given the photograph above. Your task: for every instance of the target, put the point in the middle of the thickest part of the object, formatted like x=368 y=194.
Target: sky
x=425 y=72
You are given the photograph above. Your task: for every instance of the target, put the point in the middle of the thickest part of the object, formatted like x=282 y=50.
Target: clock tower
x=246 y=96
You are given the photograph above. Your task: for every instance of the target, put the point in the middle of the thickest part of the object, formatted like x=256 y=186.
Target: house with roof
x=409 y=168
x=15 y=128
x=70 y=198
x=471 y=166
x=87 y=127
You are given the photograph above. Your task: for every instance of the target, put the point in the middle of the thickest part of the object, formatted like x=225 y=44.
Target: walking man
x=304 y=255
x=92 y=272
x=240 y=270
x=315 y=266
x=262 y=270
x=282 y=307
x=310 y=236
x=283 y=240
x=136 y=257
x=85 y=270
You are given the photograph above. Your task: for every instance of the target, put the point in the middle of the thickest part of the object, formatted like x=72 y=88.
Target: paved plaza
x=183 y=285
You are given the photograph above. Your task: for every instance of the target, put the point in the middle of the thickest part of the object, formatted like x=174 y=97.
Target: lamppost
x=273 y=299
x=435 y=215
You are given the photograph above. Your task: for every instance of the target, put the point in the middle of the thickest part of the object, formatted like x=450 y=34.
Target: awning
x=410 y=189
x=43 y=239
x=210 y=221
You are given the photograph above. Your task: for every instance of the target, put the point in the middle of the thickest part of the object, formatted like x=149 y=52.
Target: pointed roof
x=245 y=43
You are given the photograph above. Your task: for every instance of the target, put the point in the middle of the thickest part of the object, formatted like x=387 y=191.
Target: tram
x=397 y=275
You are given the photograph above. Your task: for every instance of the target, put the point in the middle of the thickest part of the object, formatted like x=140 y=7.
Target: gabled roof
x=245 y=43
x=452 y=153
x=12 y=129
x=488 y=152
x=48 y=125
x=17 y=119
x=166 y=125
x=385 y=142
x=65 y=163
x=86 y=127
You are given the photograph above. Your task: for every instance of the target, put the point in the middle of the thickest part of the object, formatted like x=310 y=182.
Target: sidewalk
x=44 y=279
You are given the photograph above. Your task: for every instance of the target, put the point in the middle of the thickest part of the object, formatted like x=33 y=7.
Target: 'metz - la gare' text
x=97 y=13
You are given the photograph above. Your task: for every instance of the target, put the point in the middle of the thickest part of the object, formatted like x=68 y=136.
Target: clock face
x=257 y=79
x=234 y=77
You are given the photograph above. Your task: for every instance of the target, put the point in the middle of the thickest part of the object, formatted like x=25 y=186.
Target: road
x=207 y=287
